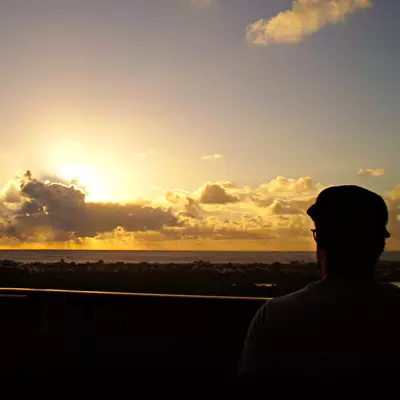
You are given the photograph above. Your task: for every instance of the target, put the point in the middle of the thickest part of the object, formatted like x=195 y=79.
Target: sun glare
x=87 y=178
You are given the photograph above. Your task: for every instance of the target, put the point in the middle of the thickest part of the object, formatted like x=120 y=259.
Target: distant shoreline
x=204 y=278
x=168 y=256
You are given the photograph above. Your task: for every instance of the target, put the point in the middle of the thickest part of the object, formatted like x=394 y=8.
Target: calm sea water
x=243 y=257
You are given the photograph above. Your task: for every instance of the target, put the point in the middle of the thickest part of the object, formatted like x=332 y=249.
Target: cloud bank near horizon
x=218 y=215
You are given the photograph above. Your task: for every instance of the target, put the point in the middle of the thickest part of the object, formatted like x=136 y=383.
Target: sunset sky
x=192 y=124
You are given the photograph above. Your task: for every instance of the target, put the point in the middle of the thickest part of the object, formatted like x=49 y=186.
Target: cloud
x=393 y=204
x=217 y=229
x=177 y=196
x=184 y=206
x=395 y=194
x=371 y=172
x=284 y=207
x=214 y=193
x=282 y=186
x=261 y=201
x=212 y=157
x=12 y=194
x=225 y=211
x=229 y=185
x=304 y=19
x=55 y=212
x=272 y=216
x=192 y=210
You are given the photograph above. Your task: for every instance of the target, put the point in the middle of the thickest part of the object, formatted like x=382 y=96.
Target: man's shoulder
x=316 y=293
x=390 y=288
x=390 y=292
x=292 y=301
x=300 y=295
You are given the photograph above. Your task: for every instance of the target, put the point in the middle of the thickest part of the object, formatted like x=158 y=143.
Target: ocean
x=165 y=257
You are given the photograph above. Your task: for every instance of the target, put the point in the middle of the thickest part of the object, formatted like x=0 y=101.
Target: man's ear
x=320 y=239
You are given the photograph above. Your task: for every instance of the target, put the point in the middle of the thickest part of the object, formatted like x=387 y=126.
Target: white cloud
x=371 y=172
x=304 y=19
x=282 y=186
x=212 y=157
x=229 y=185
x=274 y=217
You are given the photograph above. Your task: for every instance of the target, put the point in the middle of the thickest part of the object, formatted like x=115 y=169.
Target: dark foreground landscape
x=82 y=334
x=198 y=278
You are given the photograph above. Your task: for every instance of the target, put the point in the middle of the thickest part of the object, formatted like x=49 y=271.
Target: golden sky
x=217 y=216
x=192 y=124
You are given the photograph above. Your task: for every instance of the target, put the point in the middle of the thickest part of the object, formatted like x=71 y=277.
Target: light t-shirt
x=331 y=327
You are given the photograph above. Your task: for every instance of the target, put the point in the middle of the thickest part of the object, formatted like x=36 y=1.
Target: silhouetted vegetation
x=198 y=278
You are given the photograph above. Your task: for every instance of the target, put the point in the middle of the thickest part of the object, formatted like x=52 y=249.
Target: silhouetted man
x=346 y=323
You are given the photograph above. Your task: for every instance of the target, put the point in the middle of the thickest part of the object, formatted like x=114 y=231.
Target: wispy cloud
x=212 y=157
x=371 y=172
x=304 y=19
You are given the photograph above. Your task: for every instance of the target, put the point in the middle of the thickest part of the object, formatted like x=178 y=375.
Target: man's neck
x=344 y=270
x=349 y=278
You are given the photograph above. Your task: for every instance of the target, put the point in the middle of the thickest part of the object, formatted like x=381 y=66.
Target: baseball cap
x=350 y=208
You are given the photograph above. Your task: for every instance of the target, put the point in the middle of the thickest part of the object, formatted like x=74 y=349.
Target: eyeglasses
x=314 y=231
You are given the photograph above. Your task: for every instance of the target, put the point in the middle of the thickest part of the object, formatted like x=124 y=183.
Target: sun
x=87 y=178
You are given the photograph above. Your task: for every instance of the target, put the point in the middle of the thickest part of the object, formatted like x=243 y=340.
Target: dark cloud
x=52 y=196
x=60 y=212
x=214 y=193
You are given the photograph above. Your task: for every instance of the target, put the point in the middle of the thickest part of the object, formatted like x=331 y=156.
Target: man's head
x=350 y=224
